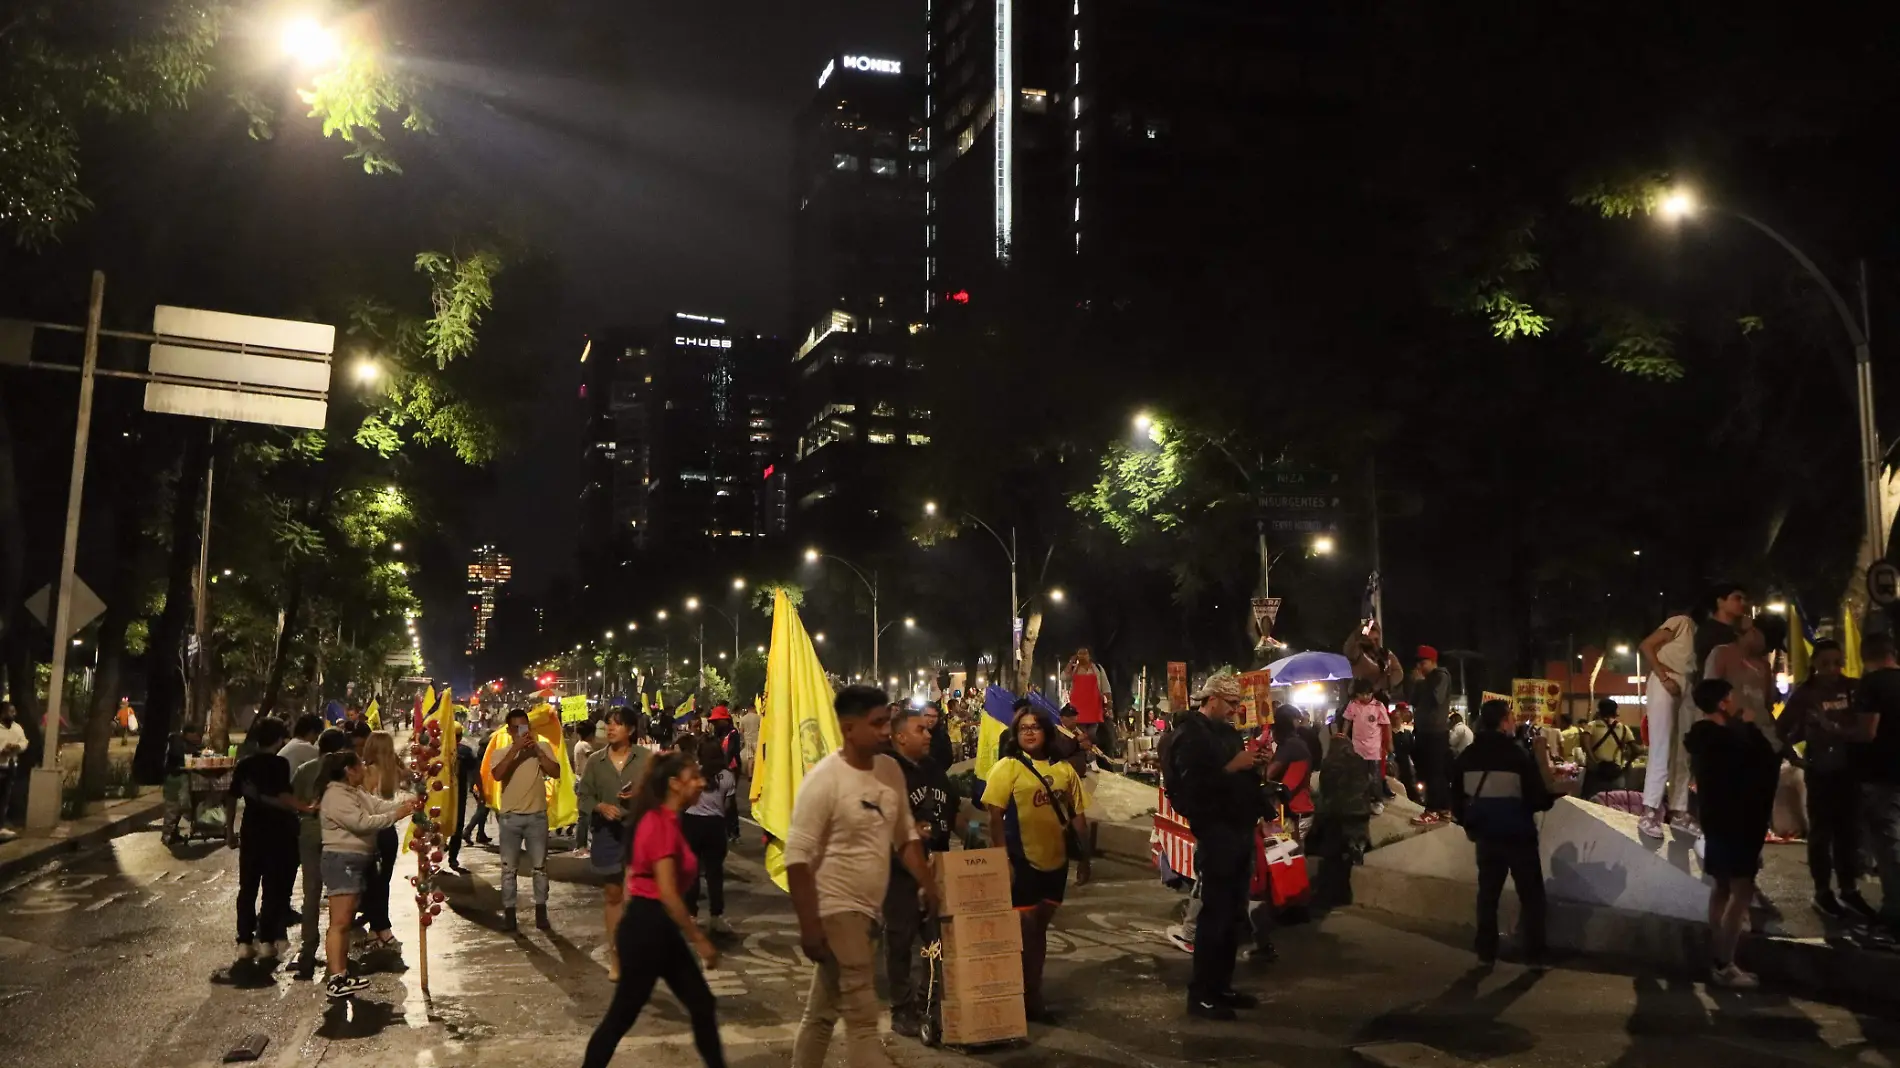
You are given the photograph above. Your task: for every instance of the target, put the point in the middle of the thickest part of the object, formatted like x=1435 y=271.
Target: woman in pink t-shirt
x=655 y=930
x=1371 y=736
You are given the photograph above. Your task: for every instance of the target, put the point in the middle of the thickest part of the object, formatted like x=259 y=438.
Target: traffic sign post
x=209 y=364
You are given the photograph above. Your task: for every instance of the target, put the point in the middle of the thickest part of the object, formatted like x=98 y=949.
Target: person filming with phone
x=521 y=767
x=1214 y=782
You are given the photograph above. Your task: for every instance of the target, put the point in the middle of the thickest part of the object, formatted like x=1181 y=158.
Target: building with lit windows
x=1098 y=140
x=488 y=572
x=683 y=440
x=858 y=293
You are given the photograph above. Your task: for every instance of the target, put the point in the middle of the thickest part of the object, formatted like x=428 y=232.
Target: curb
x=136 y=812
x=1809 y=966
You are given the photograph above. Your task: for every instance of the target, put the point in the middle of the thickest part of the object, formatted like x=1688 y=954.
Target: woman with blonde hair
x=383 y=776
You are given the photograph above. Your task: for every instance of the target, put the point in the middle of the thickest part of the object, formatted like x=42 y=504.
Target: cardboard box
x=972 y=880
x=975 y=978
x=974 y=1021
x=982 y=934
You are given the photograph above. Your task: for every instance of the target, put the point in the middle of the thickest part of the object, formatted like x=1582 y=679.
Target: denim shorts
x=344 y=873
x=607 y=850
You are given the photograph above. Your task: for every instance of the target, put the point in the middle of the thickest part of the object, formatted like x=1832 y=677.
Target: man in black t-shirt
x=1875 y=760
x=266 y=842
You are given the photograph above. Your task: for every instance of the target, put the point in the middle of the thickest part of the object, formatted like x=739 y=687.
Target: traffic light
x=545 y=680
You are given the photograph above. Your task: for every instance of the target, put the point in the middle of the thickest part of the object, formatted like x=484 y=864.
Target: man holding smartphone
x=521 y=767
x=1214 y=781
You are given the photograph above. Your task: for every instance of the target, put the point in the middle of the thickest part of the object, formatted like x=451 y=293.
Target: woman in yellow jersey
x=1031 y=801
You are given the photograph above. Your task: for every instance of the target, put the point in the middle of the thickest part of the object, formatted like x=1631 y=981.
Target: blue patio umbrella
x=1302 y=668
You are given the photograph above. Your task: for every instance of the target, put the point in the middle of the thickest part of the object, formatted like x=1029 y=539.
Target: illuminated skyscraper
x=487 y=573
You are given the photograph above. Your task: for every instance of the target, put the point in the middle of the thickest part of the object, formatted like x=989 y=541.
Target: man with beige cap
x=1214 y=783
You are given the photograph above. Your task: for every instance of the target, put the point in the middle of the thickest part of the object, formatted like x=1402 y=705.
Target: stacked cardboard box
x=982 y=948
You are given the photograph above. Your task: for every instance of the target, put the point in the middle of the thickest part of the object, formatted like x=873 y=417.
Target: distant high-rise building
x=488 y=572
x=1103 y=141
x=858 y=300
x=617 y=393
x=684 y=439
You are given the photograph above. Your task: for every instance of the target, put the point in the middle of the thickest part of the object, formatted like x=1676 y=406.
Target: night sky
x=651 y=146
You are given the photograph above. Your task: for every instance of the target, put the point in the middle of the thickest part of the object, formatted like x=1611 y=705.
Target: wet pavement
x=121 y=956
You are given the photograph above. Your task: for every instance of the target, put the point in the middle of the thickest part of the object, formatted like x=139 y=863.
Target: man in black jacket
x=933 y=805
x=1431 y=734
x=1213 y=781
x=1497 y=789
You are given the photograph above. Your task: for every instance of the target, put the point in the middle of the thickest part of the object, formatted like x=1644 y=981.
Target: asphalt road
x=121 y=956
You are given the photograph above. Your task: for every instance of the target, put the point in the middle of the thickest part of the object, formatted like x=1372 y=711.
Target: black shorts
x=1030 y=886
x=1728 y=856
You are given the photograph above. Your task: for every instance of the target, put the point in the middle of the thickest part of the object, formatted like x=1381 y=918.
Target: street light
x=818 y=637
x=1143 y=421
x=309 y=43
x=1322 y=546
x=738 y=584
x=1679 y=204
x=660 y=615
x=1016 y=604
x=395 y=546
x=367 y=371
x=1057 y=595
x=692 y=603
x=812 y=556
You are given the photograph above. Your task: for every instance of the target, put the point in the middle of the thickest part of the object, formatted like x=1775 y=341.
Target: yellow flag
x=1850 y=641
x=800 y=728
x=1798 y=648
x=563 y=806
x=442 y=800
x=428 y=703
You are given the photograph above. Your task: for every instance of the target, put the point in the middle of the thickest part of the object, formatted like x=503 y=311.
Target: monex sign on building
x=866 y=64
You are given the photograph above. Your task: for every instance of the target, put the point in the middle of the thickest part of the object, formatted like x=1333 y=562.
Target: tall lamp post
x=1681 y=204
x=812 y=556
x=693 y=604
x=1016 y=604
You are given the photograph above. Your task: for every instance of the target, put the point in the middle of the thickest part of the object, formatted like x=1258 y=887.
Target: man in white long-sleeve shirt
x=852 y=812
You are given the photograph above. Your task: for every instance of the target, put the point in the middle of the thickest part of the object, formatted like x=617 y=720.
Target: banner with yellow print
x=800 y=728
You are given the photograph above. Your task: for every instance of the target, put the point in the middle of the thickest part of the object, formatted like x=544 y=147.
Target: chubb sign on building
x=703 y=342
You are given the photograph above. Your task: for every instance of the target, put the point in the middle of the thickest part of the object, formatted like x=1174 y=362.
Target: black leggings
x=374 y=908
x=651 y=948
x=707 y=836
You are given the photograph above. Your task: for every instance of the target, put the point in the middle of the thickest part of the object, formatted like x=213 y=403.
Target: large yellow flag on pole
x=800 y=728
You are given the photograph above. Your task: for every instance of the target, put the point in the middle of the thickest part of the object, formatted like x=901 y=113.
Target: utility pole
x=42 y=808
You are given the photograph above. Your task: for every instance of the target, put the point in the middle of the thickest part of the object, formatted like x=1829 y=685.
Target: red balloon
x=437 y=896
x=425 y=919
x=436 y=856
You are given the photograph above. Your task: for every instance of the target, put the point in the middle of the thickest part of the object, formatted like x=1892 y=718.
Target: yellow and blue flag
x=998 y=705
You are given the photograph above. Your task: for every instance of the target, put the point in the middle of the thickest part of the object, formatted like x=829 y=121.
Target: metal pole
x=877 y=675
x=198 y=661
x=1378 y=592
x=1018 y=668
x=1870 y=455
x=43 y=792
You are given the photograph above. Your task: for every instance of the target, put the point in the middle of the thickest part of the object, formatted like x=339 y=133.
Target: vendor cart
x=207 y=781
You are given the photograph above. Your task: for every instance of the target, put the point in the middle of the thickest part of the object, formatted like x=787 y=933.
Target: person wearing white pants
x=1671 y=654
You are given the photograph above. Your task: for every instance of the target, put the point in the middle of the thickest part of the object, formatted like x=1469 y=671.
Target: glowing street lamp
x=1057 y=595
x=909 y=622
x=367 y=371
x=1677 y=204
x=1323 y=546
x=692 y=604
x=738 y=584
x=930 y=507
x=811 y=556
x=309 y=43
x=610 y=635
x=1143 y=421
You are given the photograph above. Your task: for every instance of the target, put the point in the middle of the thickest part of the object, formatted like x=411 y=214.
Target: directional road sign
x=86 y=607
x=216 y=365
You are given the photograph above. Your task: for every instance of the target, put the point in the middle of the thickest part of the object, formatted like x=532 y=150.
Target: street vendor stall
x=207 y=781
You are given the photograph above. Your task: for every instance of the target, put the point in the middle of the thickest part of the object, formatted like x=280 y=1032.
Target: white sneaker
x=280 y=948
x=247 y=950
x=1733 y=978
x=720 y=926
x=1651 y=824
x=1378 y=808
